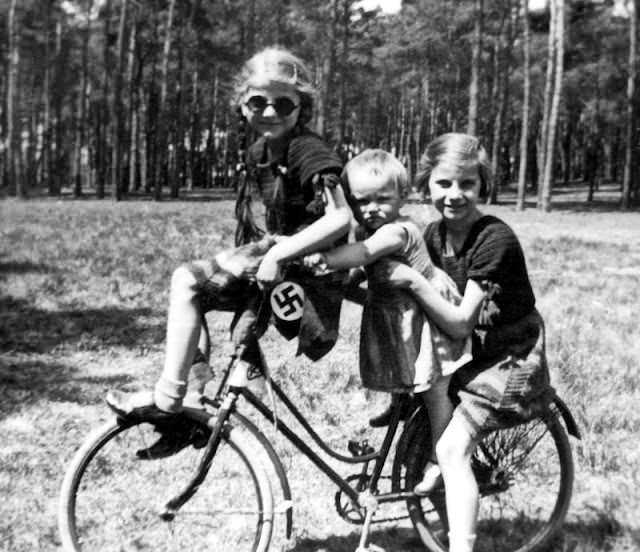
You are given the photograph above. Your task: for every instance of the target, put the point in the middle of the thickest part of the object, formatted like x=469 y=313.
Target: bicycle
x=218 y=495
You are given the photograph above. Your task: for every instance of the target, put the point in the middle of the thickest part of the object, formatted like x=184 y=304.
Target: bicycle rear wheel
x=525 y=476
x=111 y=497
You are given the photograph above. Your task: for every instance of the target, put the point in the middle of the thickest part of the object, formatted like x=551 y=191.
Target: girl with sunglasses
x=295 y=174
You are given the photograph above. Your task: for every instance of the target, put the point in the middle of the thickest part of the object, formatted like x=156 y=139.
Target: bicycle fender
x=277 y=464
x=569 y=420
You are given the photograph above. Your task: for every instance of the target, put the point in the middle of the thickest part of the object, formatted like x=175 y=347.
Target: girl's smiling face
x=455 y=190
x=267 y=121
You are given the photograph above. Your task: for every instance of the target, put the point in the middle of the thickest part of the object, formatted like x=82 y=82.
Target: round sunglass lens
x=284 y=106
x=257 y=103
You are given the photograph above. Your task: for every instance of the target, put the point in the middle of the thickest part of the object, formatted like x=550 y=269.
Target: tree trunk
x=524 y=131
x=12 y=181
x=555 y=103
x=177 y=121
x=344 y=65
x=161 y=148
x=504 y=45
x=46 y=102
x=630 y=119
x=548 y=90
x=133 y=87
x=143 y=139
x=194 y=141
x=103 y=146
x=476 y=45
x=328 y=69
x=117 y=114
x=81 y=114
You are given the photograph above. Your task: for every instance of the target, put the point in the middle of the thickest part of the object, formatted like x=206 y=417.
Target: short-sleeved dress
x=292 y=195
x=401 y=350
x=507 y=382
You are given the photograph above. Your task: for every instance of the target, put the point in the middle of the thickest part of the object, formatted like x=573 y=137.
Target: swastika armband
x=287 y=301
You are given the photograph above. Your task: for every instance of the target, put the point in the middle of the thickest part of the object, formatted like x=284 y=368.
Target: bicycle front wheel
x=114 y=492
x=525 y=478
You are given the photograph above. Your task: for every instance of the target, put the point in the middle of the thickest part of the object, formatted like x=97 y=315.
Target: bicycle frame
x=233 y=385
x=225 y=401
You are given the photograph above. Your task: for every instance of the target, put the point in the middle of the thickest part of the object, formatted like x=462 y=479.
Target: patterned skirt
x=512 y=387
x=227 y=283
x=401 y=351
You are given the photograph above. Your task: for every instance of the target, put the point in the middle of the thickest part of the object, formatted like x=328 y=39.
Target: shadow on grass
x=602 y=534
x=26 y=329
x=24 y=382
x=24 y=267
x=390 y=539
x=34 y=343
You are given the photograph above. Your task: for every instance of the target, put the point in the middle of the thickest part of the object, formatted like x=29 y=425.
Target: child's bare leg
x=439 y=407
x=454 y=451
x=440 y=410
x=183 y=333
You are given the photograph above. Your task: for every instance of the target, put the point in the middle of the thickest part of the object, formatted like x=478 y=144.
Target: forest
x=114 y=98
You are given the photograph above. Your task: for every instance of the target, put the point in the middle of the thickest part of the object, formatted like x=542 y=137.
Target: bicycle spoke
x=524 y=474
x=121 y=496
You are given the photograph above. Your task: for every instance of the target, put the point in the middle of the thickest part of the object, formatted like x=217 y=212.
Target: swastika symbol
x=287 y=301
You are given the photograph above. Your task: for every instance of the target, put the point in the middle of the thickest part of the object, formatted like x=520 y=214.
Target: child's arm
x=321 y=233
x=456 y=320
x=387 y=239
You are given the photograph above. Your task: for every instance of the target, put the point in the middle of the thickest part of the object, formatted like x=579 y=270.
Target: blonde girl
x=295 y=174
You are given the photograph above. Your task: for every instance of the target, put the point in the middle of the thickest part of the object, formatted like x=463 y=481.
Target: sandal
x=431 y=480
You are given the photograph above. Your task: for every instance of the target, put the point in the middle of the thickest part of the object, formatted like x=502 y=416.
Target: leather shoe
x=175 y=429
x=406 y=404
x=175 y=434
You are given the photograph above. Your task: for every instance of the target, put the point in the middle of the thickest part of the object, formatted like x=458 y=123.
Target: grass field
x=83 y=288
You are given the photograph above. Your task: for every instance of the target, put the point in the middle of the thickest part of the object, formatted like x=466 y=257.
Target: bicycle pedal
x=359 y=448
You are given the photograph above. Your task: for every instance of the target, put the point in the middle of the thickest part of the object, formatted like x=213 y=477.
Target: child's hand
x=269 y=271
x=396 y=274
x=316 y=262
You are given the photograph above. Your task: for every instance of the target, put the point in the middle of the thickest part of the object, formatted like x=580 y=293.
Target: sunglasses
x=283 y=106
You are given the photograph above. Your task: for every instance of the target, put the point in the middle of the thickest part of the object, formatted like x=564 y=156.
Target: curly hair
x=275 y=64
x=460 y=148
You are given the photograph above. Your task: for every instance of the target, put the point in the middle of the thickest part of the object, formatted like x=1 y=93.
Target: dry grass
x=83 y=292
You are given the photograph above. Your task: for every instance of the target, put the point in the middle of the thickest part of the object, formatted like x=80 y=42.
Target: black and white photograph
x=319 y=276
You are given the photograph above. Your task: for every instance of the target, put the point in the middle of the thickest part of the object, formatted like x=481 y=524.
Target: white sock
x=168 y=394
x=461 y=543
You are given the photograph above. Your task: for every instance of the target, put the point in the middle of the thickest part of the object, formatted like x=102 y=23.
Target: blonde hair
x=462 y=149
x=274 y=64
x=377 y=162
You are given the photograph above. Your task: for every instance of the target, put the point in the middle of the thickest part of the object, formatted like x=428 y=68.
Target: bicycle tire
x=111 y=498
x=523 y=507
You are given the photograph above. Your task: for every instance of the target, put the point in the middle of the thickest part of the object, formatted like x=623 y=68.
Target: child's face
x=377 y=201
x=271 y=110
x=455 y=190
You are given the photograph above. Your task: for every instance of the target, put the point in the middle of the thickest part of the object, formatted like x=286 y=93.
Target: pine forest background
x=105 y=100
x=120 y=97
